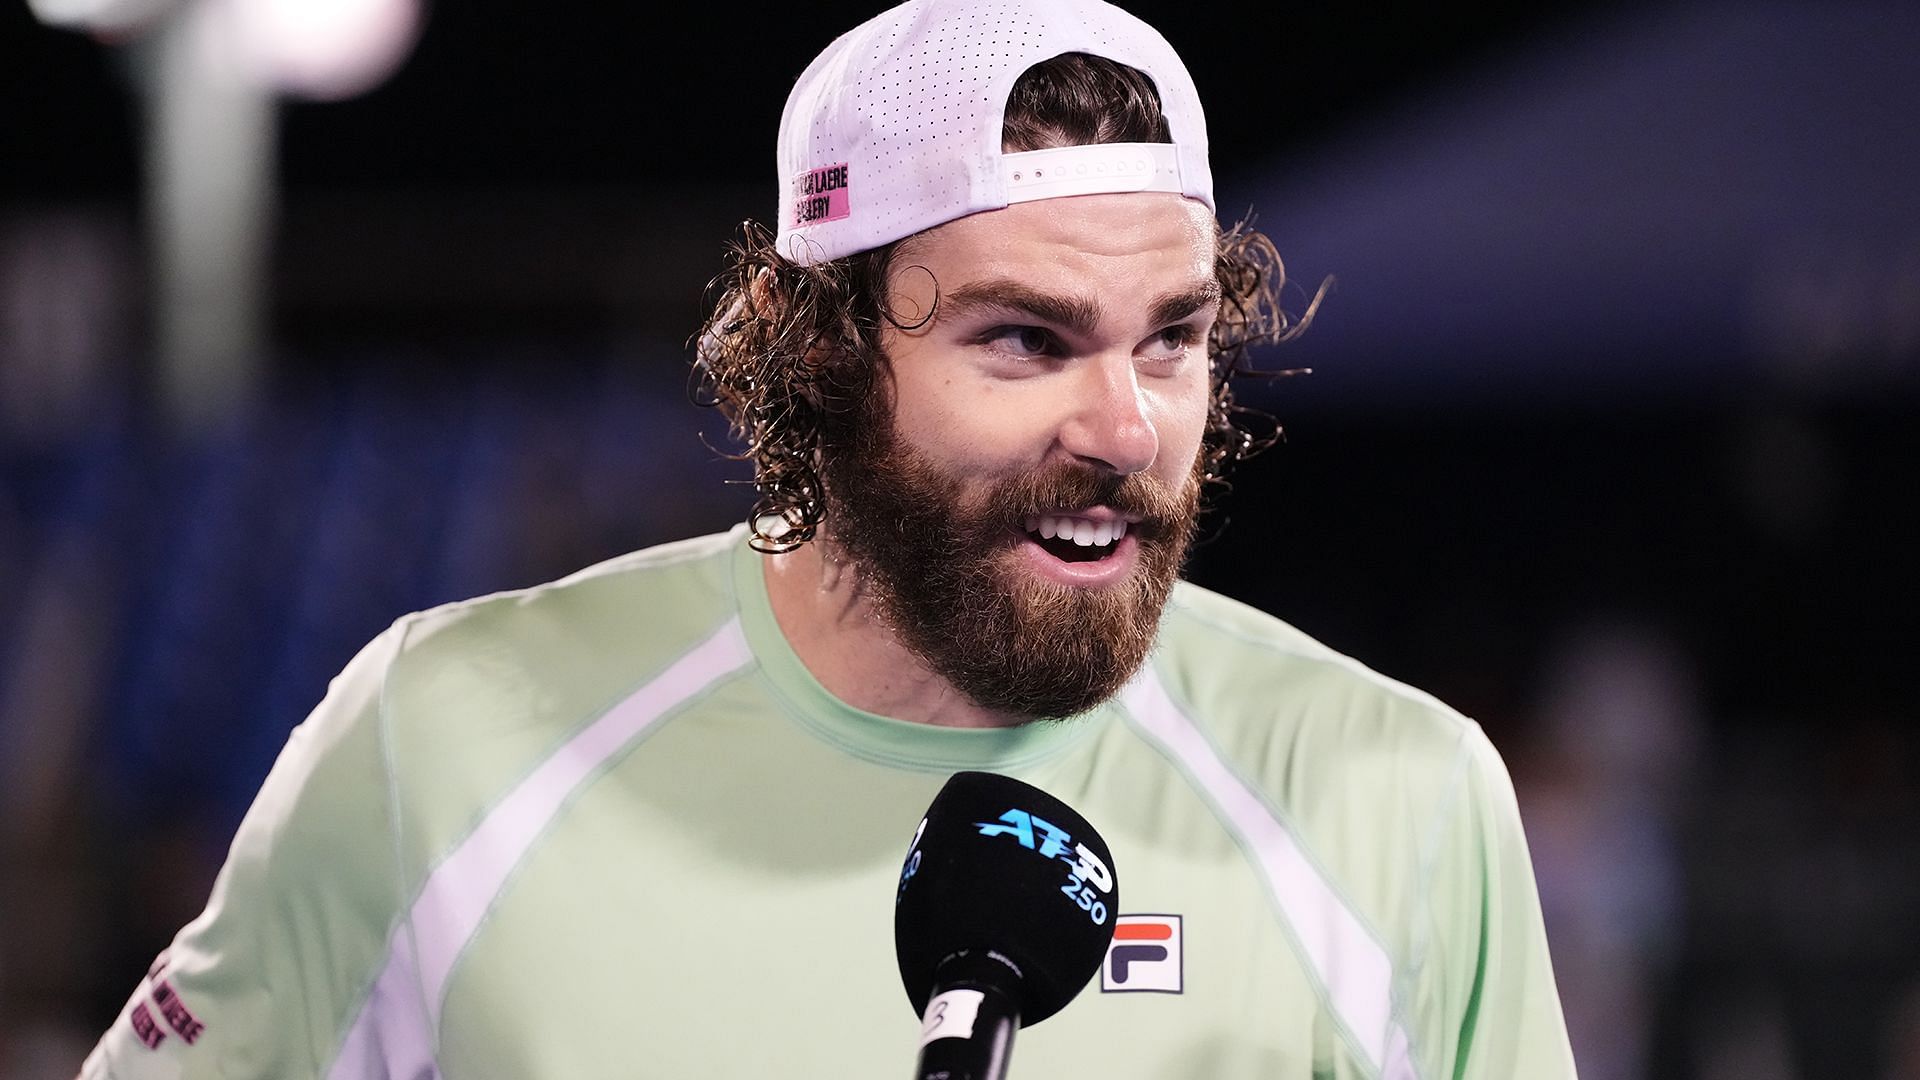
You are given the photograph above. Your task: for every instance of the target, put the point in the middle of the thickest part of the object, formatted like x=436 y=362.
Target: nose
x=1110 y=425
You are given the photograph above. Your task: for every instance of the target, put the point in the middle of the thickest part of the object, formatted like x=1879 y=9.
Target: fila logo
x=1144 y=955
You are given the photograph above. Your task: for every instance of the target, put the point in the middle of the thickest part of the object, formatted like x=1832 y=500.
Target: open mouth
x=1075 y=539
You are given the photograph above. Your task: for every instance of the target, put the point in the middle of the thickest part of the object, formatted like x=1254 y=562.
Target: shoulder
x=473 y=695
x=1236 y=668
x=1399 y=808
x=427 y=726
x=495 y=679
x=1357 y=766
x=598 y=631
x=684 y=580
x=607 y=624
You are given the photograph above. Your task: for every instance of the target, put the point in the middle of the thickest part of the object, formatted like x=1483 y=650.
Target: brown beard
x=942 y=572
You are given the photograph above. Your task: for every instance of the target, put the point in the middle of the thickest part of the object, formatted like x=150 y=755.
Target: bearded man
x=647 y=820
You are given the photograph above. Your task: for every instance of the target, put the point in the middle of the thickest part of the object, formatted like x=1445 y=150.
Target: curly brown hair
x=790 y=353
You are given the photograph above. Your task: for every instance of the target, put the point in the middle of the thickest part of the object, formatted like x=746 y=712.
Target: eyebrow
x=1174 y=307
x=1078 y=314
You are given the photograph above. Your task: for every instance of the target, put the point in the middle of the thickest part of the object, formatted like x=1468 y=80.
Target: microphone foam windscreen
x=1001 y=865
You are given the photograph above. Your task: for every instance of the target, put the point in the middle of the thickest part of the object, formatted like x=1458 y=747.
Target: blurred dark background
x=306 y=322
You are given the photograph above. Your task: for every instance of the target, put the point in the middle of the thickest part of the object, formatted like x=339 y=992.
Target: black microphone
x=1004 y=911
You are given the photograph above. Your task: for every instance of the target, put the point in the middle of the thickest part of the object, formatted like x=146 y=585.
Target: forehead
x=1111 y=249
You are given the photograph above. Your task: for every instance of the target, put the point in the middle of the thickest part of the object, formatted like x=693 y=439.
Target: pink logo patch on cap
x=820 y=195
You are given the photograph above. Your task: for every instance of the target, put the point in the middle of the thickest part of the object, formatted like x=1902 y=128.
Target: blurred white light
x=324 y=49
x=107 y=16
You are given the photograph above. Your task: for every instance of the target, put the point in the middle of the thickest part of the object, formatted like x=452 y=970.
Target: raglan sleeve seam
x=1420 y=915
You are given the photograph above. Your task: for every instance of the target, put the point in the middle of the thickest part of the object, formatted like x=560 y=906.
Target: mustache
x=1077 y=487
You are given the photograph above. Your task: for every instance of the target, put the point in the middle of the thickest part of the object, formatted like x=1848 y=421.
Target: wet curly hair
x=790 y=352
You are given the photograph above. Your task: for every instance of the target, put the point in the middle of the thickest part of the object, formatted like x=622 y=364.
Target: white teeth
x=1080 y=531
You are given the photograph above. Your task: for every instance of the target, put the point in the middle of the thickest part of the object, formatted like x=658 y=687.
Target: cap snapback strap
x=1090 y=170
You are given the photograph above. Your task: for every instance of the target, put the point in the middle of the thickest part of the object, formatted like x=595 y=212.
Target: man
x=647 y=821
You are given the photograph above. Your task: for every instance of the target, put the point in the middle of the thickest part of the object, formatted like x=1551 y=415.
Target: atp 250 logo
x=1088 y=878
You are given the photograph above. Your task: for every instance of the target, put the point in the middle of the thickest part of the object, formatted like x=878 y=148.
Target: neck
x=823 y=607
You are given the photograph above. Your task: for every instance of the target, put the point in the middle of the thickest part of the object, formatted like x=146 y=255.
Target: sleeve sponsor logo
x=820 y=195
x=179 y=1017
x=162 y=996
x=144 y=1028
x=1145 y=955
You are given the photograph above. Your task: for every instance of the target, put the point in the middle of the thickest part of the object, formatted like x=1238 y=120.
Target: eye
x=1022 y=340
x=1171 y=342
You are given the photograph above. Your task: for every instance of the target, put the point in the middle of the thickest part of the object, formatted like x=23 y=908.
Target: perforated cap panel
x=895 y=128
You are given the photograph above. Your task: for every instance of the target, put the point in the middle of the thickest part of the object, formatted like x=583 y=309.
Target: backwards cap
x=895 y=128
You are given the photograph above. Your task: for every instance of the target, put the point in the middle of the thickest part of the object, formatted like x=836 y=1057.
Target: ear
x=755 y=298
x=759 y=290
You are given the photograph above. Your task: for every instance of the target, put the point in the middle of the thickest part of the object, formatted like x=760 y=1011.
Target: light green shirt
x=612 y=827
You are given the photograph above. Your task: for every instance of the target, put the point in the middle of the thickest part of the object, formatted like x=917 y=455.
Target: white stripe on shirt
x=1352 y=967
x=393 y=1037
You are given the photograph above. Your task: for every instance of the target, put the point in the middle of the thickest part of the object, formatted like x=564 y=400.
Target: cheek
x=965 y=424
x=1181 y=422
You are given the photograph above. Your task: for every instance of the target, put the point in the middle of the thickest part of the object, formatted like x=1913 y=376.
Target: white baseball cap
x=896 y=127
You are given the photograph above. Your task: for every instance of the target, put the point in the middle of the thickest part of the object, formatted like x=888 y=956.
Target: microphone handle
x=967 y=1032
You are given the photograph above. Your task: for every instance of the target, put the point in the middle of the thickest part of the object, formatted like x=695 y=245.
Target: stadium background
x=1610 y=442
